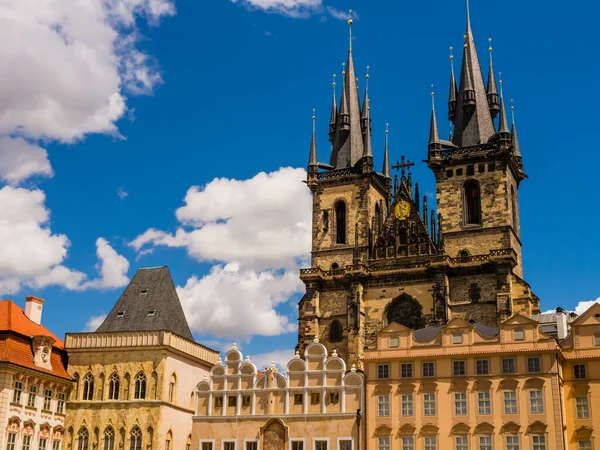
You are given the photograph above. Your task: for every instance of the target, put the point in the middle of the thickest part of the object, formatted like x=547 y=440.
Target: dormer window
x=121 y=314
x=519 y=335
x=457 y=338
x=151 y=313
x=42 y=351
x=393 y=342
x=143 y=291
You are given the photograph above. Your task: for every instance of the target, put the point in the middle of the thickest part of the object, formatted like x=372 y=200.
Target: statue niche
x=406 y=311
x=274 y=436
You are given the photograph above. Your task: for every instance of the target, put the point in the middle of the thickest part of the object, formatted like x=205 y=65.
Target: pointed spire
x=492 y=91
x=473 y=121
x=425 y=217
x=312 y=159
x=348 y=147
x=386 y=155
x=513 y=134
x=453 y=91
x=365 y=114
x=503 y=122
x=417 y=198
x=434 y=135
x=334 y=113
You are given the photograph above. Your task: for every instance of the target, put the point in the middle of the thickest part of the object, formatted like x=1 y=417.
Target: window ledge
x=46 y=411
x=16 y=404
x=31 y=408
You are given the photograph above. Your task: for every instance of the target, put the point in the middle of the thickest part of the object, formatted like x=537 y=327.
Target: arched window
x=406 y=311
x=113 y=387
x=340 y=222
x=472 y=203
x=188 y=442
x=135 y=439
x=335 y=331
x=88 y=387
x=140 y=386
x=168 y=441
x=172 y=382
x=109 y=439
x=83 y=439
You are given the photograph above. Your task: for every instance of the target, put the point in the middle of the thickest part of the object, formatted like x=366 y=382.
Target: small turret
x=386 y=156
x=365 y=118
x=453 y=91
x=466 y=82
x=334 y=113
x=492 y=91
x=313 y=165
x=435 y=145
x=513 y=135
x=503 y=134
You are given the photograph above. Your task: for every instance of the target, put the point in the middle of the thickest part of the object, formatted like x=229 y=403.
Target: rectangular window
x=26 y=444
x=383 y=371
x=32 y=396
x=383 y=409
x=228 y=445
x=579 y=371
x=10 y=441
x=485 y=403
x=207 y=446
x=345 y=444
x=55 y=445
x=459 y=368
x=334 y=398
x=246 y=399
x=60 y=403
x=406 y=370
x=430 y=443
x=408 y=443
x=232 y=401
x=320 y=445
x=429 y=369
x=597 y=344
x=483 y=367
x=518 y=335
x=219 y=402
x=315 y=398
x=534 y=364
x=298 y=399
x=539 y=442
x=47 y=400
x=585 y=445
x=407 y=405
x=383 y=443
x=510 y=402
x=512 y=443
x=17 y=390
x=536 y=402
x=297 y=445
x=457 y=338
x=582 y=407
x=462 y=443
x=508 y=365
x=460 y=403
x=251 y=445
x=394 y=342
x=429 y=404
x=485 y=443
x=42 y=444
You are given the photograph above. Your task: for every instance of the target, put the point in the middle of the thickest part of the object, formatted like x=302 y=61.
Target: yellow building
x=136 y=375
x=316 y=406
x=465 y=385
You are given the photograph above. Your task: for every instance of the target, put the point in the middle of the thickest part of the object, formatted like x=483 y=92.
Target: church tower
x=380 y=254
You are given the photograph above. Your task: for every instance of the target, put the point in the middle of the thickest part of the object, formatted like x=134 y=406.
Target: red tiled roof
x=16 y=331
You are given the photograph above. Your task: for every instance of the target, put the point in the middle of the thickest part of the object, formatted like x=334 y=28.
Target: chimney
x=561 y=323
x=33 y=309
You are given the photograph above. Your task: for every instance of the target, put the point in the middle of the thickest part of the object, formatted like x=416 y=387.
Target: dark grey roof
x=487 y=331
x=476 y=127
x=427 y=334
x=149 y=303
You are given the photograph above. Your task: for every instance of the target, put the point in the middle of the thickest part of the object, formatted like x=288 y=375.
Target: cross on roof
x=403 y=165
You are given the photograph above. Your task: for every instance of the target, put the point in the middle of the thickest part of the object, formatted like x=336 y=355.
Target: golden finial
x=490 y=49
x=387 y=132
x=451 y=55
x=314 y=112
x=501 y=92
x=350 y=19
x=432 y=98
x=512 y=109
x=350 y=29
x=333 y=84
x=368 y=67
x=343 y=68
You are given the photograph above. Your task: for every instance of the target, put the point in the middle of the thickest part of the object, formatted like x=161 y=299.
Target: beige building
x=34 y=383
x=465 y=385
x=317 y=405
x=136 y=375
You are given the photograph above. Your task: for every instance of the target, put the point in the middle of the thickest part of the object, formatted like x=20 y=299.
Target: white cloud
x=94 y=322
x=341 y=15
x=112 y=267
x=279 y=357
x=585 y=305
x=290 y=8
x=234 y=302
x=122 y=193
x=20 y=159
x=65 y=73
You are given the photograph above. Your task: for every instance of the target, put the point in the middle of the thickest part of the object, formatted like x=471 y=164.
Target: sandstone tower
x=380 y=254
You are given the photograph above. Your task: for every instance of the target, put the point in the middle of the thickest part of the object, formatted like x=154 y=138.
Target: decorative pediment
x=510 y=428
x=590 y=316
x=459 y=386
x=460 y=428
x=383 y=430
x=484 y=428
x=395 y=328
x=383 y=388
x=534 y=383
x=406 y=387
x=579 y=389
x=428 y=386
x=508 y=384
x=584 y=432
x=482 y=385
x=429 y=429
x=537 y=427
x=407 y=429
x=518 y=319
x=456 y=323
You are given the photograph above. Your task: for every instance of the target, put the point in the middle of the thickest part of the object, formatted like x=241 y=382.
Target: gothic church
x=381 y=255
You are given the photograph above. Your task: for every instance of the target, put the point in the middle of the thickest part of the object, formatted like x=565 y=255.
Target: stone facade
x=133 y=385
x=318 y=404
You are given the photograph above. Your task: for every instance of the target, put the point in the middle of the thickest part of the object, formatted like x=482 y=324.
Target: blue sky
x=108 y=120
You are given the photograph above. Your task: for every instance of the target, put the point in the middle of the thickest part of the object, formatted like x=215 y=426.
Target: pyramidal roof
x=149 y=303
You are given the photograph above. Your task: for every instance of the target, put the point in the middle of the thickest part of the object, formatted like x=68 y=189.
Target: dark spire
x=348 y=145
x=365 y=116
x=386 y=155
x=417 y=198
x=312 y=159
x=425 y=217
x=513 y=135
x=453 y=91
x=434 y=135
x=473 y=121
x=334 y=113
x=492 y=90
x=503 y=132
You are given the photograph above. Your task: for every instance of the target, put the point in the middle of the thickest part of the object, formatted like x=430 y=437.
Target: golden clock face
x=402 y=210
